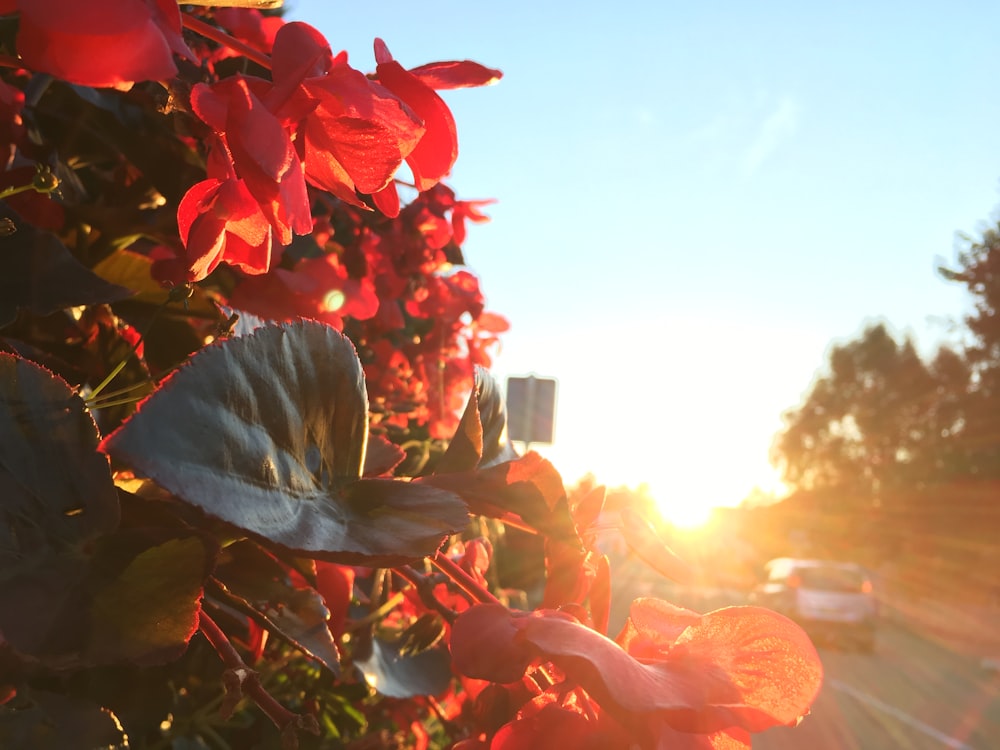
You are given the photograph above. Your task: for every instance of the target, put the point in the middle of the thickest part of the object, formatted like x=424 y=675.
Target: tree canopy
x=880 y=417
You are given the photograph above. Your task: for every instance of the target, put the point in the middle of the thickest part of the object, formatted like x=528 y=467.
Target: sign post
x=531 y=409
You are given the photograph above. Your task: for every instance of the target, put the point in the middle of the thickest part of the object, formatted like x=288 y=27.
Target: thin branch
x=425 y=590
x=218 y=35
x=463 y=580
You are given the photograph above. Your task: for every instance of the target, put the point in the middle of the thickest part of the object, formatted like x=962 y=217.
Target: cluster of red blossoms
x=296 y=213
x=311 y=151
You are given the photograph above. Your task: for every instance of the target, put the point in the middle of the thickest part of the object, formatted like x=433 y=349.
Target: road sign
x=531 y=409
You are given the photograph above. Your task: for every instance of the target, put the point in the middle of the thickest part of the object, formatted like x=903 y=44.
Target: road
x=911 y=694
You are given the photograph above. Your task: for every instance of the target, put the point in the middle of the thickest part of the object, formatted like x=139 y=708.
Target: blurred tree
x=880 y=418
x=979 y=270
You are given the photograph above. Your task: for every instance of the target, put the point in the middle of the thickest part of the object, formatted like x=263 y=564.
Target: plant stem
x=463 y=580
x=425 y=590
x=218 y=35
x=111 y=376
x=377 y=614
x=240 y=677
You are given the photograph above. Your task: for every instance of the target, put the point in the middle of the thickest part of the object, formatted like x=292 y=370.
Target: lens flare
x=334 y=300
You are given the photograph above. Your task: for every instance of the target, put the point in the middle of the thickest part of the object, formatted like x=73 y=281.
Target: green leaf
x=268 y=432
x=149 y=613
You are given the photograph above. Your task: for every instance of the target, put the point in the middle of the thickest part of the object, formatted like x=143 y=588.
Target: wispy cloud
x=778 y=126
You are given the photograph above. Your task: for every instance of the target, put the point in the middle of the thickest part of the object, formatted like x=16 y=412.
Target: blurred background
x=755 y=245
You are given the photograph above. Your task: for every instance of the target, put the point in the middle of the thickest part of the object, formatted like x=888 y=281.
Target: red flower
x=258 y=150
x=318 y=288
x=335 y=295
x=220 y=220
x=467 y=211
x=336 y=585
x=248 y=25
x=101 y=42
x=356 y=133
x=735 y=670
x=437 y=150
x=434 y=156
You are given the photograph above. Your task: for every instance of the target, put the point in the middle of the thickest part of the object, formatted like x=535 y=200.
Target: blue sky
x=695 y=200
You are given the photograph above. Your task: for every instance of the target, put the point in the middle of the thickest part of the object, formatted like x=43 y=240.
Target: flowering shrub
x=252 y=463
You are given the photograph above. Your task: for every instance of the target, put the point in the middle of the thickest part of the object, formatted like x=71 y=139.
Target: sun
x=687 y=511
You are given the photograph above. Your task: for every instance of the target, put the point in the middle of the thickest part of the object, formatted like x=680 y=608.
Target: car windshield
x=832 y=578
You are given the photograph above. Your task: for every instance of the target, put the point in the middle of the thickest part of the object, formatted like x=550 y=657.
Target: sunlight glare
x=688 y=515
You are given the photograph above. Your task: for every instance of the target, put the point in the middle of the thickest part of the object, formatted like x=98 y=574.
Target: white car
x=827 y=598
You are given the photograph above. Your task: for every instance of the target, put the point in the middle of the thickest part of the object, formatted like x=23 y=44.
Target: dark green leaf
x=398 y=676
x=55 y=487
x=382 y=456
x=47 y=721
x=56 y=495
x=41 y=276
x=268 y=432
x=481 y=438
x=149 y=613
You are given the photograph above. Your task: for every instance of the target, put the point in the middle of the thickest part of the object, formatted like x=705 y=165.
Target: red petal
x=251 y=26
x=263 y=153
x=484 y=645
x=653 y=626
x=103 y=42
x=194 y=203
x=767 y=657
x=241 y=213
x=362 y=126
x=336 y=584
x=203 y=250
x=300 y=52
x=733 y=738
x=387 y=200
x=493 y=323
x=553 y=727
x=221 y=221
x=210 y=107
x=436 y=152
x=742 y=666
x=255 y=133
x=456 y=74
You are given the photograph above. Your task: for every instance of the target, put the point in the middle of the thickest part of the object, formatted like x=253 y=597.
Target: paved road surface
x=911 y=694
